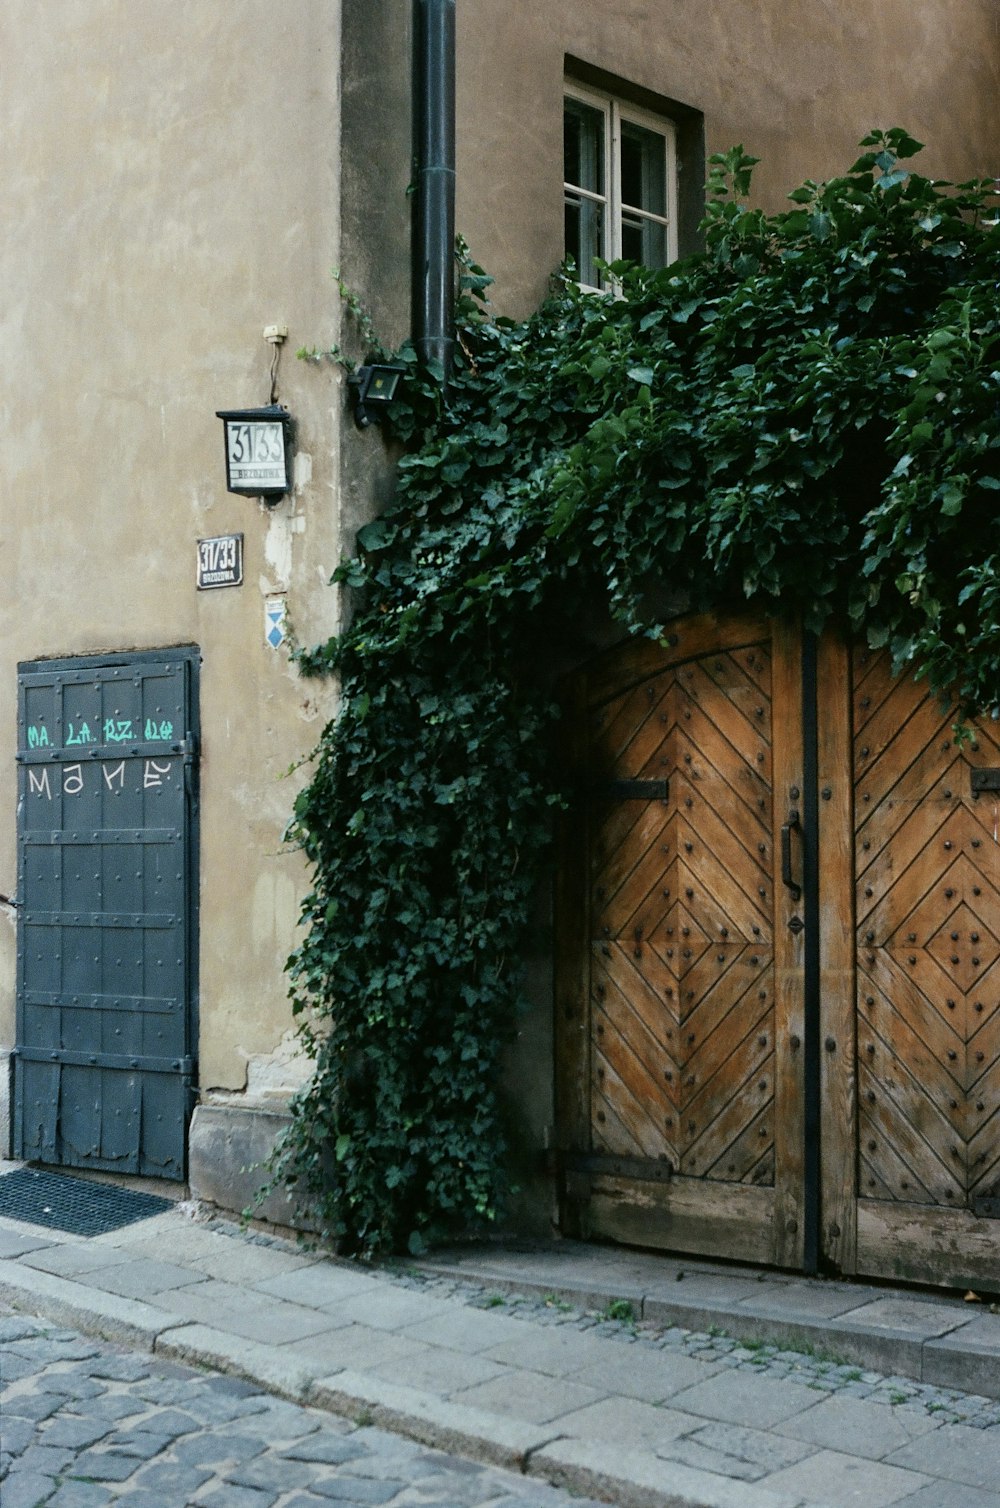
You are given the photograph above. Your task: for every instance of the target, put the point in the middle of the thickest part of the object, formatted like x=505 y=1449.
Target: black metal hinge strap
x=161 y=920
x=61 y=1000
x=81 y=754
x=122 y=1061
x=601 y=1164
x=634 y=790
x=134 y=835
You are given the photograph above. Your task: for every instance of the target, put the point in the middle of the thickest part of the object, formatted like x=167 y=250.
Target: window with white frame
x=619 y=185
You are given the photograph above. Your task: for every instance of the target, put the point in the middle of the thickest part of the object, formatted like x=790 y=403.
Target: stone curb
x=122 y=1321
x=587 y=1469
x=431 y=1420
x=932 y=1341
x=948 y=1354
x=419 y=1416
x=201 y=1346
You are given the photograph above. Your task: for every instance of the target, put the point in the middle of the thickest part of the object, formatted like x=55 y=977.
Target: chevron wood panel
x=682 y=908
x=928 y=944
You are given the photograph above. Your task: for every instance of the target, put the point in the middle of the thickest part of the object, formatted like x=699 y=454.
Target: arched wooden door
x=912 y=1182
x=778 y=996
x=681 y=982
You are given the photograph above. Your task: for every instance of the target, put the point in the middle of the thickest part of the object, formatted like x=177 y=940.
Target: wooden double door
x=778 y=985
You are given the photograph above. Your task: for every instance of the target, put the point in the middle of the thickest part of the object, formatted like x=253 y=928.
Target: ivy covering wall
x=805 y=417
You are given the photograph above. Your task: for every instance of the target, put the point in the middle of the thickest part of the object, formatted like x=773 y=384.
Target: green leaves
x=805 y=417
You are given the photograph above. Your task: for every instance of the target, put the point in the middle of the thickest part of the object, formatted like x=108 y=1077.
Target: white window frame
x=616 y=112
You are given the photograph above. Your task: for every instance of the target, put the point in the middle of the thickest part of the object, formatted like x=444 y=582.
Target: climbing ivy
x=805 y=417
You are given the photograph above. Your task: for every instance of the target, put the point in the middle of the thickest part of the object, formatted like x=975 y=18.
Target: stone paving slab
x=556 y=1352
x=282 y=1371
x=950 y=1495
x=637 y=1479
x=632 y=1372
x=385 y=1308
x=70 y=1258
x=140 y=1277
x=957 y=1453
x=356 y=1347
x=871 y=1432
x=437 y=1370
x=838 y=1480
x=734 y=1450
x=806 y=1303
x=904 y=1316
x=225 y=1307
x=742 y=1398
x=627 y=1422
x=967 y=1358
x=322 y=1286
x=186 y=1241
x=442 y=1423
x=890 y=1334
x=700 y=1290
x=529 y=1396
x=15 y=1242
x=69 y=1303
x=460 y=1328
x=251 y=1265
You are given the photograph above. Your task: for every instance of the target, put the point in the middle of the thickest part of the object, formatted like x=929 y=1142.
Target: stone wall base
x=228 y=1147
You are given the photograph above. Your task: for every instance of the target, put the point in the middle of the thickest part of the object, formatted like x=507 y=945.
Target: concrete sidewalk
x=840 y=1395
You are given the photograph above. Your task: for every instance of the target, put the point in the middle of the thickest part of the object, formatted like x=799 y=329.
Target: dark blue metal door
x=106 y=1000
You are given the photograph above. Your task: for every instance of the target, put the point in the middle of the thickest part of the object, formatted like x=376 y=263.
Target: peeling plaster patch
x=199 y=503
x=316 y=707
x=274 y=911
x=267 y=1077
x=303 y=470
x=279 y=1074
x=278 y=547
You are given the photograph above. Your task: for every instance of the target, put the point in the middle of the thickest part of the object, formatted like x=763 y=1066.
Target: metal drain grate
x=74 y=1205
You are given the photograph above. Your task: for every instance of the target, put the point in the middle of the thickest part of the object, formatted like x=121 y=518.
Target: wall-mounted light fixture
x=373 y=387
x=258 y=450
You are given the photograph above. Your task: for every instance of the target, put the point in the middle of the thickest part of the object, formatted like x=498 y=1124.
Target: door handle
x=786 y=854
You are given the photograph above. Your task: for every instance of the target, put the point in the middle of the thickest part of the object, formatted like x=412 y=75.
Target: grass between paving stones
x=621 y=1311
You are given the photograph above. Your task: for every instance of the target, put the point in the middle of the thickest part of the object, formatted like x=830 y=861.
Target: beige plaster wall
x=798 y=82
x=170 y=183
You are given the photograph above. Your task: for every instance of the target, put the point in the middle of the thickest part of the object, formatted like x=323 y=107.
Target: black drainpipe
x=434 y=232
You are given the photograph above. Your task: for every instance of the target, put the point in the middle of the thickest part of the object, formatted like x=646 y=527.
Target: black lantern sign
x=258 y=450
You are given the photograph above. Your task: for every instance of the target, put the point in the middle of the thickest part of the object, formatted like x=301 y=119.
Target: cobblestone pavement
x=640 y=1410
x=83 y=1424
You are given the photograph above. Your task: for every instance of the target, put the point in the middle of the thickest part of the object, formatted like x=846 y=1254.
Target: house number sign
x=220 y=561
x=258 y=450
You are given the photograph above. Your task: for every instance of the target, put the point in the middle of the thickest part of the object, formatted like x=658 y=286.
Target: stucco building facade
x=178 y=180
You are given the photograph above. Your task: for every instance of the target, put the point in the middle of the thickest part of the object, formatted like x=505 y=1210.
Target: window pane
x=644 y=168
x=583 y=146
x=585 y=237
x=644 y=241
